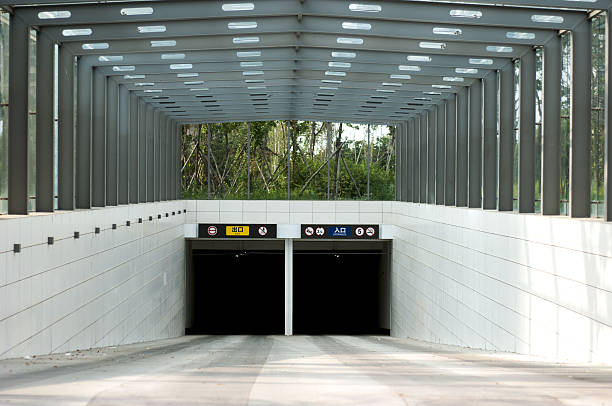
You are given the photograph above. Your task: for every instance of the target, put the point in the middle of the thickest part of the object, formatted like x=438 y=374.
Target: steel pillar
x=150 y=153
x=112 y=142
x=83 y=137
x=551 y=128
x=18 y=117
x=580 y=122
x=162 y=158
x=124 y=146
x=369 y=158
x=489 y=164
x=156 y=161
x=45 y=123
x=208 y=146
x=249 y=161
x=462 y=149
x=133 y=164
x=431 y=156
x=169 y=153
x=416 y=160
x=527 y=134
x=475 y=146
x=98 y=156
x=143 y=119
x=402 y=131
x=506 y=138
x=440 y=152
x=65 y=136
x=399 y=160
x=409 y=154
x=450 y=150
x=608 y=123
x=423 y=157
x=288 y=287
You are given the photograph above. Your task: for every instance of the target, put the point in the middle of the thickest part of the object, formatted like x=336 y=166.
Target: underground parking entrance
x=238 y=287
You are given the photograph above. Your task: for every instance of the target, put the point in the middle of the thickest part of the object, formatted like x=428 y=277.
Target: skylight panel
x=499 y=48
x=466 y=13
x=401 y=77
x=412 y=68
x=339 y=64
x=146 y=29
x=248 y=54
x=540 y=18
x=97 y=45
x=520 y=35
x=73 y=32
x=481 y=61
x=432 y=45
x=181 y=66
x=365 y=8
x=242 y=25
x=347 y=25
x=51 y=15
x=466 y=70
x=173 y=56
x=130 y=77
x=339 y=54
x=447 y=31
x=238 y=7
x=124 y=68
x=136 y=11
x=334 y=73
x=163 y=43
x=349 y=41
x=452 y=79
x=245 y=40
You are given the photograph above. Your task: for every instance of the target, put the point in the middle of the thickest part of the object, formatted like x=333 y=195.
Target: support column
x=18 y=117
x=506 y=138
x=208 y=146
x=133 y=162
x=156 y=161
x=98 y=156
x=150 y=154
x=402 y=131
x=409 y=153
x=608 y=124
x=289 y=162
x=143 y=119
x=45 y=100
x=328 y=161
x=178 y=140
x=124 y=145
x=83 y=137
x=65 y=136
x=440 y=153
x=112 y=142
x=527 y=134
x=580 y=122
x=431 y=156
x=551 y=128
x=451 y=150
x=462 y=149
x=169 y=159
x=288 y=287
x=475 y=146
x=489 y=164
x=369 y=158
x=162 y=158
x=423 y=157
x=416 y=160
x=399 y=160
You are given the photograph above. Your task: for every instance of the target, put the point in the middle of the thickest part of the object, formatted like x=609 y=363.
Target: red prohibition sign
x=309 y=231
x=212 y=230
x=262 y=231
x=370 y=231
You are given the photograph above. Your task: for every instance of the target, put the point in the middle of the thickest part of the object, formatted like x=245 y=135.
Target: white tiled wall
x=503 y=281
x=119 y=286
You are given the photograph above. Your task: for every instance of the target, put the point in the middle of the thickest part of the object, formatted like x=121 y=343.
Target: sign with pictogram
x=237 y=231
x=340 y=231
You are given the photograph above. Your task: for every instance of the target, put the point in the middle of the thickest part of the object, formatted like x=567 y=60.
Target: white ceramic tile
x=230 y=217
x=323 y=218
x=207 y=205
x=277 y=206
x=300 y=206
x=254 y=206
x=347 y=218
x=300 y=218
x=323 y=206
x=254 y=217
x=370 y=218
x=208 y=217
x=347 y=206
x=277 y=218
x=371 y=207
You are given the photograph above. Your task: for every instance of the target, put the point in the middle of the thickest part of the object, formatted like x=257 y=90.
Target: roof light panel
x=181 y=66
x=95 y=46
x=411 y=68
x=124 y=68
x=466 y=70
x=248 y=54
x=520 y=35
x=74 y=32
x=447 y=31
x=187 y=75
x=253 y=73
x=51 y=15
x=466 y=13
x=253 y=64
x=163 y=43
x=453 y=79
x=499 y=49
x=130 y=77
x=146 y=29
x=432 y=45
x=347 y=25
x=242 y=25
x=540 y=18
x=110 y=58
x=136 y=11
x=480 y=61
x=334 y=73
x=418 y=58
x=401 y=77
x=365 y=8
x=339 y=54
x=172 y=56
x=349 y=41
x=339 y=64
x=238 y=7
x=245 y=40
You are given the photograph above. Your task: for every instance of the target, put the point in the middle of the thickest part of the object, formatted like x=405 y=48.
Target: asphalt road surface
x=299 y=370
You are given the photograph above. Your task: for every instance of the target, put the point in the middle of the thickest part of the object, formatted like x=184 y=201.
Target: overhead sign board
x=340 y=231
x=237 y=231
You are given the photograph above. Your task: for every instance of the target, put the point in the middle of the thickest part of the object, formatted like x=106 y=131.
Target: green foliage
x=230 y=160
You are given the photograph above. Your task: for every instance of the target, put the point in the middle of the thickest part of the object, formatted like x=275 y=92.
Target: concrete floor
x=300 y=370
